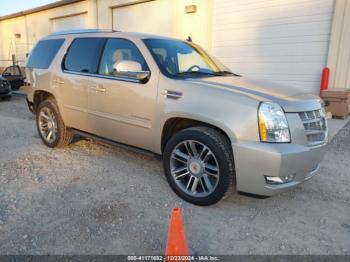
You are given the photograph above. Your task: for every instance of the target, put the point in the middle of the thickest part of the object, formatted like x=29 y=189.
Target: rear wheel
x=198 y=164
x=50 y=125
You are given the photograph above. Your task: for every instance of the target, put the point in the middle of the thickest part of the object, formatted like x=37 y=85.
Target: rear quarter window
x=43 y=53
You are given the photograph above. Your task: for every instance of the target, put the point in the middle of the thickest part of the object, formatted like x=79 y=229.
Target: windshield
x=184 y=59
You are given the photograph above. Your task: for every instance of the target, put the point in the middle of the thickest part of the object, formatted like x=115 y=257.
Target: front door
x=120 y=109
x=13 y=74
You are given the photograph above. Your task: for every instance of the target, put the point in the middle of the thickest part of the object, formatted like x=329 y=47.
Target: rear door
x=80 y=63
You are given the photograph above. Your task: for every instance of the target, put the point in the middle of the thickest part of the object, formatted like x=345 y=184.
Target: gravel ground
x=91 y=198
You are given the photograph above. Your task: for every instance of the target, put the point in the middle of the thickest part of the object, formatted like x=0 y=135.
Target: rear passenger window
x=83 y=55
x=43 y=53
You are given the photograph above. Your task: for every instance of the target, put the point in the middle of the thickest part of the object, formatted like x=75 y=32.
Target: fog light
x=276 y=180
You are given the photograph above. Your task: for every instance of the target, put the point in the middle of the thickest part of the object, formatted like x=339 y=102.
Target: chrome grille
x=315 y=126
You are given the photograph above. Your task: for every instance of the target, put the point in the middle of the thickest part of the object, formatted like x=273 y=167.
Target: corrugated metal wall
x=285 y=41
x=339 y=52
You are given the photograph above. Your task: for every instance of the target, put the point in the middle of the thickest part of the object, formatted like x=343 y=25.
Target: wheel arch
x=177 y=123
x=40 y=96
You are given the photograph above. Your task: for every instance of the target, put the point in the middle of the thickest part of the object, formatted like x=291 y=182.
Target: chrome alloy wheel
x=194 y=168
x=47 y=124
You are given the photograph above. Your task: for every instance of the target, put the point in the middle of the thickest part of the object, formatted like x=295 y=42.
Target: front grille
x=315 y=126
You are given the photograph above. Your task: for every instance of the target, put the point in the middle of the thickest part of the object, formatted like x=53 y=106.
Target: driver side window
x=117 y=50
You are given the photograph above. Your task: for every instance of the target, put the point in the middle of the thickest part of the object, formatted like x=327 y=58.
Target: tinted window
x=43 y=53
x=83 y=55
x=117 y=50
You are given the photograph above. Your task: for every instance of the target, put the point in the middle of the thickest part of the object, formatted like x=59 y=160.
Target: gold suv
x=214 y=129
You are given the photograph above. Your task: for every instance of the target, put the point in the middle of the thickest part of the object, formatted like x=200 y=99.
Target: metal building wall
x=339 y=51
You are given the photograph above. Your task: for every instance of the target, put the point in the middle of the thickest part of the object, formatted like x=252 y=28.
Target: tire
x=63 y=136
x=6 y=98
x=209 y=157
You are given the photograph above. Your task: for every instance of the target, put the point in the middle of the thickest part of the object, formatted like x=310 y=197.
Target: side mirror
x=130 y=69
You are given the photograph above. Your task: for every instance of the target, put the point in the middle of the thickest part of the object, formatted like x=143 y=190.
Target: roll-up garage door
x=154 y=17
x=281 y=40
x=78 y=21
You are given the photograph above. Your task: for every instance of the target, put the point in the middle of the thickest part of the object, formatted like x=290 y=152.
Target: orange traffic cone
x=177 y=243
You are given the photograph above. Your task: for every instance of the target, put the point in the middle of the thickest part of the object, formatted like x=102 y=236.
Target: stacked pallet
x=337 y=101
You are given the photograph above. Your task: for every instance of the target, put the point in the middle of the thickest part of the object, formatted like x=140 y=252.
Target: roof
x=104 y=31
x=146 y=35
x=81 y=31
x=39 y=9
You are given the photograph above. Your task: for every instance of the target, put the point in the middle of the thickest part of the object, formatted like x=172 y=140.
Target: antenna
x=189 y=39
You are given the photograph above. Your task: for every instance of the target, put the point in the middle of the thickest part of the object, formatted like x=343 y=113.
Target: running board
x=114 y=143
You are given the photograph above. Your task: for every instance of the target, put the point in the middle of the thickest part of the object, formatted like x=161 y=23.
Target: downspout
x=27 y=35
x=112 y=19
x=96 y=7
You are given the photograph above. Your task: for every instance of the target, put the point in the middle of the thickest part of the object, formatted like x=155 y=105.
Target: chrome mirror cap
x=130 y=69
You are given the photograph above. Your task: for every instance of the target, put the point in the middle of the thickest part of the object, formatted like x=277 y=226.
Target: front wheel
x=198 y=164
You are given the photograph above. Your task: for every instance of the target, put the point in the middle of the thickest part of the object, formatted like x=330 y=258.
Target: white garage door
x=153 y=17
x=280 y=40
x=70 y=22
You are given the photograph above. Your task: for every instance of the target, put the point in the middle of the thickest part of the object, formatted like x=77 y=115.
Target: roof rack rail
x=82 y=31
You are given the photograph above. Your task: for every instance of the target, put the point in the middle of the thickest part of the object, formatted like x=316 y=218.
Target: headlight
x=273 y=125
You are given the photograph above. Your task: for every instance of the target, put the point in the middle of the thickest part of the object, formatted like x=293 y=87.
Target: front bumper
x=255 y=160
x=5 y=93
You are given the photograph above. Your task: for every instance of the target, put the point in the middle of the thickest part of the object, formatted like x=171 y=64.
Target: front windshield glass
x=183 y=59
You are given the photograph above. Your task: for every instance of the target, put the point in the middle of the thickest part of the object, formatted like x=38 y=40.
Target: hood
x=292 y=99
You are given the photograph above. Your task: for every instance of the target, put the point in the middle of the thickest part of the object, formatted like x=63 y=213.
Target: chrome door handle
x=98 y=89
x=172 y=94
x=57 y=81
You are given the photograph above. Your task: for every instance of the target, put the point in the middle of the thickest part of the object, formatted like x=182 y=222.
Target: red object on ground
x=324 y=80
x=177 y=243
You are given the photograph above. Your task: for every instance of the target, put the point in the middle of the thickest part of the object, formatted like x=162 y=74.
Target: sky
x=14 y=6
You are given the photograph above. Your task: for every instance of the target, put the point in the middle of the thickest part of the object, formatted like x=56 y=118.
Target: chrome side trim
x=126 y=79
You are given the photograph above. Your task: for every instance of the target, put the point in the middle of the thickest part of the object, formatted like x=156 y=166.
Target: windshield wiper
x=207 y=73
x=225 y=72
x=196 y=73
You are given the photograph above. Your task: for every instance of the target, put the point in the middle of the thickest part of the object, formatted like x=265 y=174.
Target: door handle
x=100 y=89
x=58 y=81
x=172 y=94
